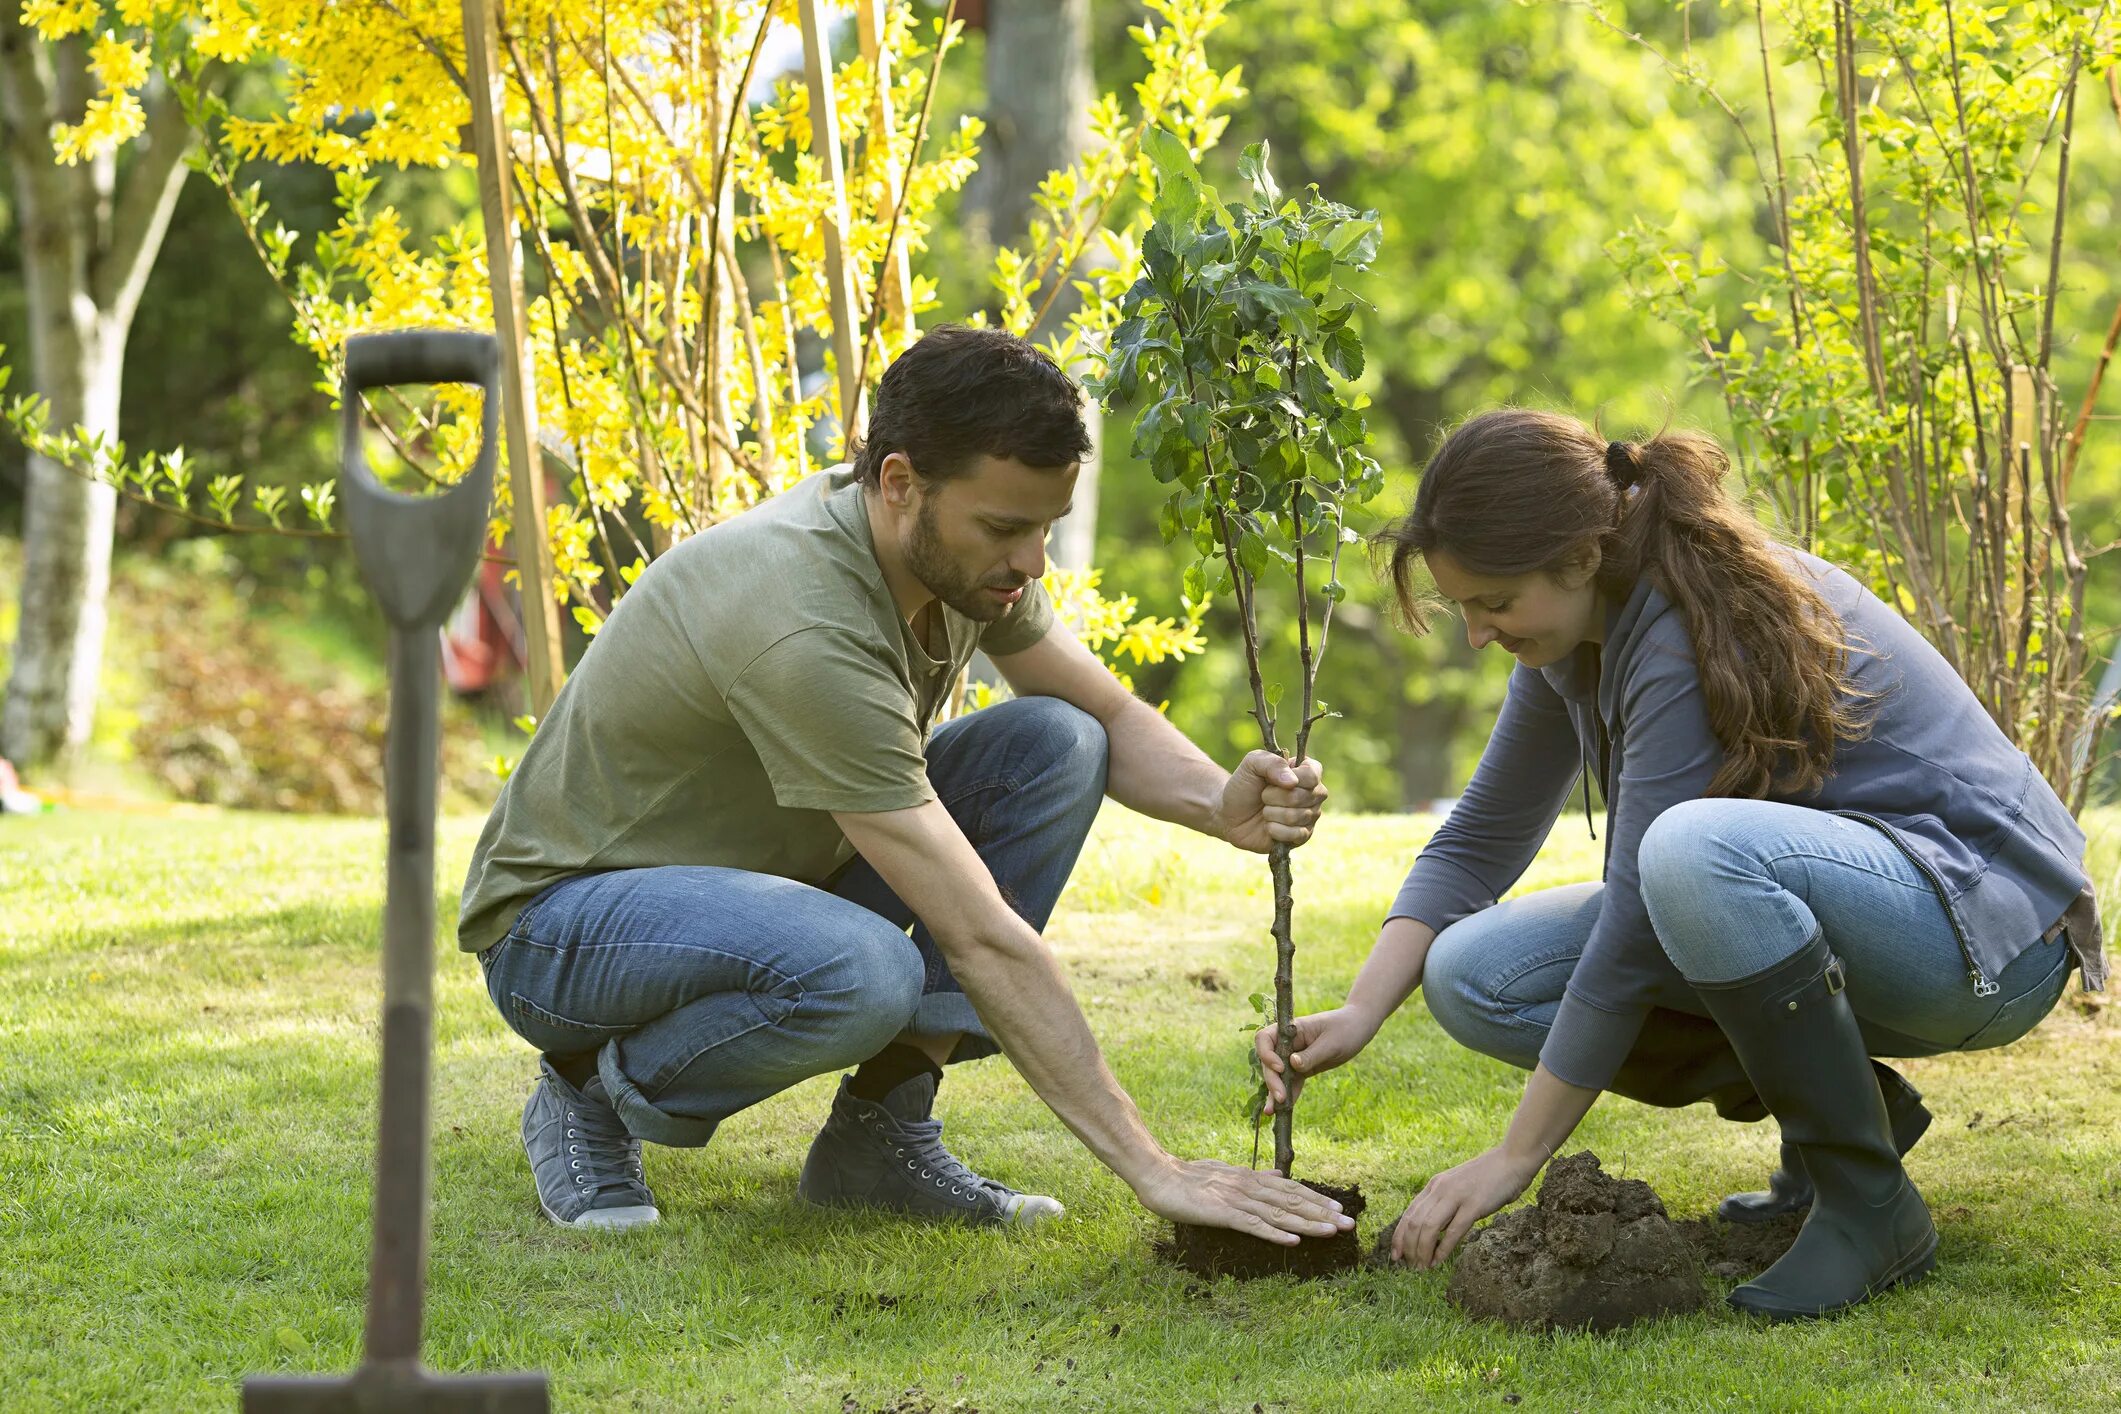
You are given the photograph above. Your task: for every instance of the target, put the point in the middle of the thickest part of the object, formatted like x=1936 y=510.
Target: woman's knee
x=1678 y=848
x=1454 y=984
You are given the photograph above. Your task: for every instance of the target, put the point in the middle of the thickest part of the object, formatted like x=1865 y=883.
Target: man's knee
x=868 y=992
x=1060 y=734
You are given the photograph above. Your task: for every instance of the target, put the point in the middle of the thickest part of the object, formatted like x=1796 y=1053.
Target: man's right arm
x=1018 y=990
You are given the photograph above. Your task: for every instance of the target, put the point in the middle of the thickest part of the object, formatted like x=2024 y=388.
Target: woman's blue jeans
x=1733 y=887
x=704 y=990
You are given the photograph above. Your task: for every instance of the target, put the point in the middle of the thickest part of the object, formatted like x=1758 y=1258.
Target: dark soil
x=1592 y=1253
x=1217 y=1251
x=1739 y=1251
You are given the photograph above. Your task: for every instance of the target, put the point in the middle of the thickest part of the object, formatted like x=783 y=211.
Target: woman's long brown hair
x=1516 y=490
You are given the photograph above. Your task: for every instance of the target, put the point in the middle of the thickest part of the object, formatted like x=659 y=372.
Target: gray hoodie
x=1935 y=773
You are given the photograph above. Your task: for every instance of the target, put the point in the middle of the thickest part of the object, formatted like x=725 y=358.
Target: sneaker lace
x=600 y=1137
x=925 y=1138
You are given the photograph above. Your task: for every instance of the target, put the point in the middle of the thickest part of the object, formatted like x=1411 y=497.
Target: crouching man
x=696 y=889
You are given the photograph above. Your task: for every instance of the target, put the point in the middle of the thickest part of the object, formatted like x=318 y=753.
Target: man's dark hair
x=961 y=393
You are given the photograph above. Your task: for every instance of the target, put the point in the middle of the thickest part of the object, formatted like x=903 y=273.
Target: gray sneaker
x=866 y=1157
x=587 y=1167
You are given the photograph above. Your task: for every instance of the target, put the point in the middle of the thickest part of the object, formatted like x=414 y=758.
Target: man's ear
x=896 y=481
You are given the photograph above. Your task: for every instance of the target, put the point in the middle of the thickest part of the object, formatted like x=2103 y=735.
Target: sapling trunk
x=1241 y=326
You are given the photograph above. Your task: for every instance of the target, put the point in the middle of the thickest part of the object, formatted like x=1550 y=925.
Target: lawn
x=187 y=1024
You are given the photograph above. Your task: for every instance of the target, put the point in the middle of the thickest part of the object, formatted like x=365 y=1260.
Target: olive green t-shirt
x=758 y=677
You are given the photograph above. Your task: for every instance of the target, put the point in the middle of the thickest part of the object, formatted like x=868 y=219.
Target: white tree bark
x=1039 y=92
x=90 y=234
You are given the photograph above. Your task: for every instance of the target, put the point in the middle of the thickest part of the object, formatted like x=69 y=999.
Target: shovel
x=416 y=554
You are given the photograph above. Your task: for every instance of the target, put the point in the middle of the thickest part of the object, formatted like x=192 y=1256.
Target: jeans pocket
x=550 y=1031
x=2023 y=1012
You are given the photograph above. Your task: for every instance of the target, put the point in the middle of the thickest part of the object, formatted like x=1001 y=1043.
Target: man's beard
x=962 y=592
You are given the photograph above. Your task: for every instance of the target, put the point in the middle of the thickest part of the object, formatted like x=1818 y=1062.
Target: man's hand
x=1208 y=1193
x=1269 y=801
x=1450 y=1203
x=1324 y=1039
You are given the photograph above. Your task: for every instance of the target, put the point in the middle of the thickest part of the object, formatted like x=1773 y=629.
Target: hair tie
x=1622 y=465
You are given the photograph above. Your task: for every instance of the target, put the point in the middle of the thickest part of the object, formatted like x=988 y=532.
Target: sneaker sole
x=606 y=1219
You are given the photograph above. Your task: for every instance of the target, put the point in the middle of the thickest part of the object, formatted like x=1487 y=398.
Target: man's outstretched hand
x=1208 y=1193
x=1270 y=801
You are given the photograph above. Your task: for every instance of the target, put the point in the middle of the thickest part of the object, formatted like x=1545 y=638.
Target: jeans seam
x=1504 y=984
x=1916 y=885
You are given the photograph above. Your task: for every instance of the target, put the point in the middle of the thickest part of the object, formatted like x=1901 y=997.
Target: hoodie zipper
x=1983 y=987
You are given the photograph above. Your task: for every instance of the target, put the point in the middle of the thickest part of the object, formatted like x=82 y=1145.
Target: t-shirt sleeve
x=1025 y=624
x=832 y=724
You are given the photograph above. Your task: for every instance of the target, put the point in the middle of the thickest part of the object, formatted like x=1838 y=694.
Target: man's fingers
x=1287 y=834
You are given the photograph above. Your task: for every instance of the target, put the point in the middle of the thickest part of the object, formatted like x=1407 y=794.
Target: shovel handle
x=416 y=553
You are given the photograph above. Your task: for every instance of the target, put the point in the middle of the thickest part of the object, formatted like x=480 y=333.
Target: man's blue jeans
x=705 y=990
x=1732 y=888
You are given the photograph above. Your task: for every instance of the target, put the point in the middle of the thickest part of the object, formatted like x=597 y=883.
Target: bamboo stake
x=895 y=281
x=839 y=276
x=504 y=272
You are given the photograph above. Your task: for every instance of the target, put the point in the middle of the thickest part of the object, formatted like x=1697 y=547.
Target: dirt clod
x=1215 y=1251
x=1593 y=1252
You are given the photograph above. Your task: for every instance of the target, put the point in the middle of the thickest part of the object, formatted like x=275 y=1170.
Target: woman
x=1815 y=838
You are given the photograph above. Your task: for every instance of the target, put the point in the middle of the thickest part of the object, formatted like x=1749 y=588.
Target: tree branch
x=147 y=198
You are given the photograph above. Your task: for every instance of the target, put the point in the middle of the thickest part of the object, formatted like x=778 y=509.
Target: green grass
x=187 y=1026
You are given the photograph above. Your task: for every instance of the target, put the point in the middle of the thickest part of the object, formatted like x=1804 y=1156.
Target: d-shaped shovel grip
x=416 y=553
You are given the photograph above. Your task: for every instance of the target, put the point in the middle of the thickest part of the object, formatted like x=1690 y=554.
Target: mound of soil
x=1217 y=1251
x=1740 y=1251
x=1593 y=1252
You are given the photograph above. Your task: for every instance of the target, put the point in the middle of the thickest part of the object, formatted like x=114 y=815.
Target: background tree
x=90 y=227
x=1039 y=94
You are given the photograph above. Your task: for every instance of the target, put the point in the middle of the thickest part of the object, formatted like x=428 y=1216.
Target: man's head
x=973 y=447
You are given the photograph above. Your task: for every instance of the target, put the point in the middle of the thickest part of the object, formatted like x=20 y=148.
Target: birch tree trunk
x=90 y=234
x=1039 y=92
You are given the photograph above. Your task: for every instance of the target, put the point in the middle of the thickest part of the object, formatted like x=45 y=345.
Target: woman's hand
x=1451 y=1202
x=1324 y=1039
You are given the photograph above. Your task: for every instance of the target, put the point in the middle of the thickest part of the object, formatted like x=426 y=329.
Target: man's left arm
x=1154 y=769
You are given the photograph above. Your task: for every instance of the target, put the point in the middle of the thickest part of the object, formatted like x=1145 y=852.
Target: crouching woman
x=1819 y=847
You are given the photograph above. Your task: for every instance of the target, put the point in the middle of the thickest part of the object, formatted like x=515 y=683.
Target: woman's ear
x=1579 y=567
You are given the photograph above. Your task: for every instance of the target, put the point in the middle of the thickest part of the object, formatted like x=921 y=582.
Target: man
x=695 y=889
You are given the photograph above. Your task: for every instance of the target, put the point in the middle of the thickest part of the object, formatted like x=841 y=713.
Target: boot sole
x=606 y=1219
x=1911 y=1268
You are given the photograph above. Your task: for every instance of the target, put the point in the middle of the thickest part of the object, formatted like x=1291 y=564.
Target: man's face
x=978 y=540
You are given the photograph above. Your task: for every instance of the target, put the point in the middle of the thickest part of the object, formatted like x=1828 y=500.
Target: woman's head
x=1534 y=523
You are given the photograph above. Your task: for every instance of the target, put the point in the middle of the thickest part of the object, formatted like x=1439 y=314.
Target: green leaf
x=1196 y=585
x=1169 y=157
x=1343 y=353
x=1252 y=166
x=1252 y=553
x=1274 y=694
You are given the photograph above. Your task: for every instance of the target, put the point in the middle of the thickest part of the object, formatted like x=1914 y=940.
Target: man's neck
x=907 y=592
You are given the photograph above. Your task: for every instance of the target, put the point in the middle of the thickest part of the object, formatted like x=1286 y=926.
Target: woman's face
x=1536 y=617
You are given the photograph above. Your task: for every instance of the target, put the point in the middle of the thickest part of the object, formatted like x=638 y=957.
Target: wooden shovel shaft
x=397 y=1273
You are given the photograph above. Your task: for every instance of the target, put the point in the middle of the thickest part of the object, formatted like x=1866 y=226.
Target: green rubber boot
x=1789 y=1187
x=1868 y=1229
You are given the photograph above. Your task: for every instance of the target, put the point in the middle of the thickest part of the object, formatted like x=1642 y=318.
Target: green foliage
x=1891 y=382
x=1239 y=333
